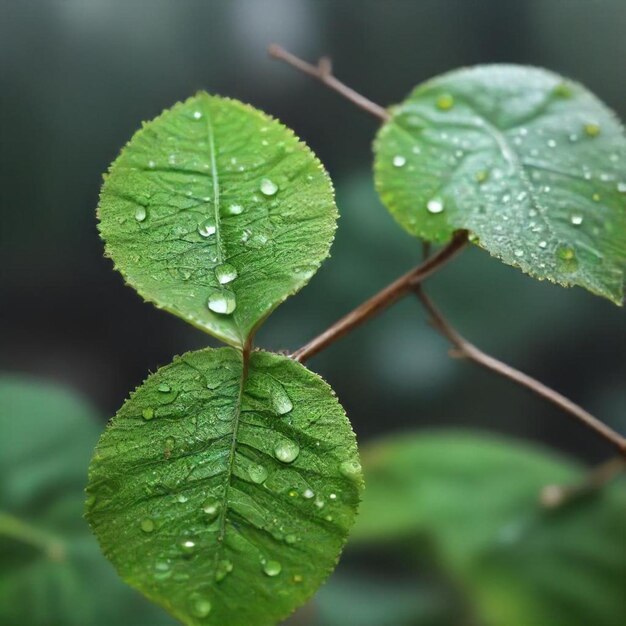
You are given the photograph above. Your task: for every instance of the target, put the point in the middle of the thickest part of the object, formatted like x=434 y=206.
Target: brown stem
x=553 y=496
x=383 y=299
x=323 y=72
x=464 y=349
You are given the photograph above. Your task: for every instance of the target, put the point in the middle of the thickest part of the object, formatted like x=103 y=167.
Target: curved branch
x=464 y=349
x=383 y=299
x=324 y=73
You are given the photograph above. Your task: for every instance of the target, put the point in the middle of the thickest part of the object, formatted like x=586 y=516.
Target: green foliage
x=476 y=501
x=224 y=491
x=217 y=213
x=51 y=571
x=531 y=164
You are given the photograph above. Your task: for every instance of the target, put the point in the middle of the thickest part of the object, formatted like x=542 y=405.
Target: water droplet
x=563 y=90
x=147 y=413
x=197 y=115
x=182 y=498
x=222 y=569
x=287 y=451
x=435 y=206
x=164 y=388
x=308 y=494
x=170 y=442
x=141 y=213
x=333 y=496
x=399 y=161
x=199 y=605
x=566 y=257
x=596 y=197
x=281 y=402
x=147 y=524
x=207 y=228
x=187 y=545
x=577 y=220
x=518 y=253
x=551 y=143
x=592 y=130
x=235 y=209
x=445 y=102
x=291 y=539
x=257 y=473
x=297 y=578
x=162 y=570
x=211 y=508
x=268 y=187
x=543 y=244
x=225 y=273
x=621 y=187
x=272 y=568
x=151 y=164
x=350 y=469
x=481 y=176
x=222 y=302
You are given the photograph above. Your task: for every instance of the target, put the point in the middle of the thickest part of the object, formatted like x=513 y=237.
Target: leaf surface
x=476 y=500
x=533 y=165
x=216 y=212
x=52 y=572
x=226 y=496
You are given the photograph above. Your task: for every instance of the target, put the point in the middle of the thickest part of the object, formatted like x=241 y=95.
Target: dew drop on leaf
x=141 y=213
x=350 y=469
x=187 y=545
x=268 y=187
x=222 y=569
x=147 y=524
x=577 y=220
x=399 y=161
x=225 y=273
x=206 y=228
x=272 y=568
x=257 y=473
x=235 y=209
x=147 y=413
x=592 y=130
x=222 y=302
x=287 y=451
x=445 y=102
x=164 y=388
x=199 y=605
x=211 y=508
x=435 y=206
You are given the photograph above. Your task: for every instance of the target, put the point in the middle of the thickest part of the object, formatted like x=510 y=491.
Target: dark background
x=77 y=78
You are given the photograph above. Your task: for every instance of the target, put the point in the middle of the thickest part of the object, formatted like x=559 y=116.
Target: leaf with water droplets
x=52 y=572
x=232 y=214
x=230 y=505
x=476 y=501
x=529 y=163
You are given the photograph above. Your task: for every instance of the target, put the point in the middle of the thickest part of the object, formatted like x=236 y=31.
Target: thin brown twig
x=461 y=348
x=554 y=496
x=324 y=73
x=383 y=299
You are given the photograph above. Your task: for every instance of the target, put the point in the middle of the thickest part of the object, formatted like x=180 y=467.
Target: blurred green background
x=78 y=76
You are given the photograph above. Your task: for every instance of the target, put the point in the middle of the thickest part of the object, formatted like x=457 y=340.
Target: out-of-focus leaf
x=216 y=212
x=477 y=500
x=51 y=570
x=533 y=165
x=224 y=491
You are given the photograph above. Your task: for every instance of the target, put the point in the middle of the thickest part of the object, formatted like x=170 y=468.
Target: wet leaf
x=475 y=500
x=226 y=497
x=216 y=212
x=533 y=165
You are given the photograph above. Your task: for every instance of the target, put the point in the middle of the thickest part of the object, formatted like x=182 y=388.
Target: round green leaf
x=533 y=165
x=477 y=500
x=216 y=212
x=226 y=495
x=52 y=572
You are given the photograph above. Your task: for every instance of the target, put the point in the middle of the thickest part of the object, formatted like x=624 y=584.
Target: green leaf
x=533 y=165
x=51 y=571
x=216 y=212
x=477 y=500
x=226 y=495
